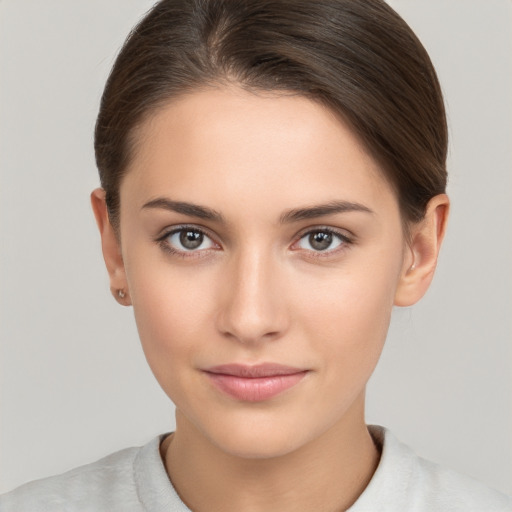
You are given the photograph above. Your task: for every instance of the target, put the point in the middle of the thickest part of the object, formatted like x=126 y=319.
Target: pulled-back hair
x=357 y=57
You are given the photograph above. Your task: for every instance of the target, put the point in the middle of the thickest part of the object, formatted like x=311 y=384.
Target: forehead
x=228 y=144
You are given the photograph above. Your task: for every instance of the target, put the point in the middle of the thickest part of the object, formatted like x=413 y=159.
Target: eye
x=187 y=240
x=322 y=240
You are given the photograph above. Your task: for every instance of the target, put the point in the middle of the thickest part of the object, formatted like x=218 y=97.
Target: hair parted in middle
x=357 y=57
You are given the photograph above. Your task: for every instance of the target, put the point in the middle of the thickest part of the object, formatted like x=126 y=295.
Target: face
x=262 y=249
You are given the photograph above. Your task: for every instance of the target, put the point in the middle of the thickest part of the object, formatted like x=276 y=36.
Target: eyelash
x=345 y=242
x=167 y=247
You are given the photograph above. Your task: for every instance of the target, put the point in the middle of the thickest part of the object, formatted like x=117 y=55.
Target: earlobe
x=111 y=249
x=422 y=252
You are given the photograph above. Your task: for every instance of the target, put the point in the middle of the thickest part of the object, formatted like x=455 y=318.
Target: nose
x=252 y=306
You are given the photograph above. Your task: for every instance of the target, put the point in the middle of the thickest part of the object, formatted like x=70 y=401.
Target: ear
x=111 y=249
x=421 y=254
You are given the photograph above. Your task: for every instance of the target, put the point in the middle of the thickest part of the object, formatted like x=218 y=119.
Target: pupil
x=320 y=240
x=191 y=239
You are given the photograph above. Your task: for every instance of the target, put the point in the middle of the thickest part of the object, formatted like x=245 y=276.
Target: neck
x=328 y=474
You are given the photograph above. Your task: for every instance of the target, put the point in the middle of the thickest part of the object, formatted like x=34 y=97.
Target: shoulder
x=106 y=484
x=442 y=487
x=405 y=481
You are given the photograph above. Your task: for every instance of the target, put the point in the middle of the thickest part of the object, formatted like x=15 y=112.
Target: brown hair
x=358 y=57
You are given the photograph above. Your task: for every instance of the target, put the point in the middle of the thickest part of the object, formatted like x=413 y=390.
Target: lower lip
x=256 y=389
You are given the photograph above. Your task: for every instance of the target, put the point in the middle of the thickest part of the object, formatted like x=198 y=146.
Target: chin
x=257 y=435
x=258 y=444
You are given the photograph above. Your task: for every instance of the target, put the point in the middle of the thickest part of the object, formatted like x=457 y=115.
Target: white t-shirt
x=135 y=480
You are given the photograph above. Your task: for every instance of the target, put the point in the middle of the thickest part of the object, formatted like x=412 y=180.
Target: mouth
x=254 y=383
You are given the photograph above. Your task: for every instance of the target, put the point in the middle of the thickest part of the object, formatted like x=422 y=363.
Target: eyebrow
x=190 y=209
x=320 y=210
x=289 y=216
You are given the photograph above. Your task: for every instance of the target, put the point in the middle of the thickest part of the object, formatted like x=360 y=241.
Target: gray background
x=74 y=382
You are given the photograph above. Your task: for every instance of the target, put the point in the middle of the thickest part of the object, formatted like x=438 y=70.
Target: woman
x=273 y=183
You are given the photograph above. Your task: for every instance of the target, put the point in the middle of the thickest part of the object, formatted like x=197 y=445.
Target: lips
x=254 y=383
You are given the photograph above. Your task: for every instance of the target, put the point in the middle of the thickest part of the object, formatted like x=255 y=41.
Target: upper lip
x=254 y=371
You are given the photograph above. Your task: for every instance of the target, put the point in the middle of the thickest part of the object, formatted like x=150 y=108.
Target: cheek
x=171 y=311
x=338 y=320
x=347 y=317
x=171 y=327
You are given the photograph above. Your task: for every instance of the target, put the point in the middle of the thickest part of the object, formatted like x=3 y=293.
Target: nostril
x=252 y=326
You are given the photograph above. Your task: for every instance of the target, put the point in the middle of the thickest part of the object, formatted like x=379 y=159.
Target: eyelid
x=161 y=239
x=345 y=234
x=171 y=230
x=342 y=234
x=347 y=239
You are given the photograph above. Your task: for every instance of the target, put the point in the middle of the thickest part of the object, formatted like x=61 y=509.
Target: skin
x=257 y=290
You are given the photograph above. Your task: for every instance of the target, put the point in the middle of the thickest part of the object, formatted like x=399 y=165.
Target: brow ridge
x=330 y=208
x=289 y=216
x=191 y=209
